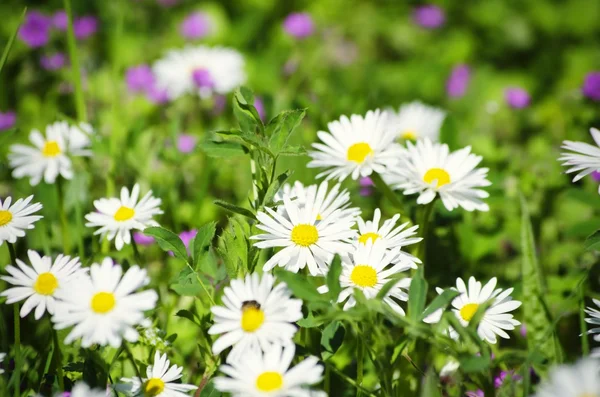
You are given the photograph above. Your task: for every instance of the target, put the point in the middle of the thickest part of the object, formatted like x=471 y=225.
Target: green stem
x=80 y=230
x=390 y=195
x=58 y=355
x=136 y=251
x=349 y=380
x=202 y=284
x=63 y=215
x=585 y=344
x=360 y=358
x=11 y=40
x=130 y=356
x=424 y=221
x=75 y=67
x=17 y=324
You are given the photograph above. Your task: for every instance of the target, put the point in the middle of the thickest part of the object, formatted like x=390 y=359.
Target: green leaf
x=592 y=243
x=222 y=149
x=471 y=364
x=245 y=113
x=281 y=128
x=293 y=151
x=234 y=246
x=275 y=186
x=309 y=322
x=11 y=40
x=383 y=292
x=332 y=338
x=189 y=315
x=168 y=241
x=417 y=294
x=449 y=133
x=333 y=278
x=235 y=209
x=299 y=285
x=187 y=284
x=202 y=241
x=440 y=302
x=431 y=385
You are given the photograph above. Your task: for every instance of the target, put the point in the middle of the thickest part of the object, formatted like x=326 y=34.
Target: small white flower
x=160 y=381
x=2 y=355
x=305 y=239
x=118 y=216
x=200 y=70
x=390 y=237
x=578 y=380
x=429 y=169
x=40 y=282
x=268 y=374
x=416 y=121
x=368 y=269
x=256 y=314
x=594 y=319
x=449 y=369
x=584 y=158
x=15 y=219
x=497 y=317
x=82 y=390
x=103 y=307
x=355 y=146
x=50 y=155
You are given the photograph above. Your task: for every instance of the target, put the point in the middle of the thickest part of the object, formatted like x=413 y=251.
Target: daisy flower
x=116 y=217
x=258 y=374
x=2 y=355
x=304 y=239
x=355 y=146
x=581 y=379
x=391 y=237
x=40 y=282
x=15 y=219
x=330 y=202
x=51 y=154
x=416 y=121
x=256 y=314
x=368 y=269
x=429 y=169
x=497 y=317
x=594 y=319
x=160 y=381
x=103 y=307
x=583 y=157
x=200 y=70
x=82 y=390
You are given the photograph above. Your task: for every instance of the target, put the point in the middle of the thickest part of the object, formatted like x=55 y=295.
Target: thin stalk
x=17 y=324
x=424 y=222
x=11 y=40
x=130 y=356
x=390 y=195
x=585 y=344
x=360 y=358
x=75 y=67
x=58 y=355
x=201 y=284
x=136 y=251
x=63 y=216
x=349 y=380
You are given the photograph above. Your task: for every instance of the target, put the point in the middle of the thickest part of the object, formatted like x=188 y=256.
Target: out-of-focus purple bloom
x=187 y=238
x=66 y=394
x=139 y=78
x=457 y=83
x=85 y=26
x=517 y=97
x=591 y=86
x=157 y=95
x=186 y=143
x=202 y=78
x=299 y=25
x=219 y=102
x=429 y=16
x=523 y=331
x=478 y=393
x=195 y=26
x=35 y=31
x=142 y=239
x=366 y=186
x=260 y=107
x=60 y=20
x=54 y=61
x=290 y=67
x=7 y=120
x=167 y=3
x=503 y=374
x=596 y=176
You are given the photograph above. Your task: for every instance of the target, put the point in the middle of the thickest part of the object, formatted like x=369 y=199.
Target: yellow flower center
x=365 y=237
x=154 y=386
x=45 y=284
x=442 y=177
x=124 y=214
x=305 y=235
x=468 y=311
x=269 y=381
x=5 y=217
x=51 y=149
x=103 y=302
x=409 y=135
x=252 y=316
x=359 y=152
x=364 y=276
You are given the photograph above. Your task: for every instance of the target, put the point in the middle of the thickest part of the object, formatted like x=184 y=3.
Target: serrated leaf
x=293 y=151
x=309 y=322
x=245 y=113
x=186 y=283
x=299 y=285
x=333 y=278
x=234 y=247
x=222 y=149
x=202 y=241
x=281 y=128
x=235 y=209
x=168 y=241
x=417 y=294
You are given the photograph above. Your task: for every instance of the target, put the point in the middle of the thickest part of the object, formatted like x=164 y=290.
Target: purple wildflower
x=595 y=175
x=139 y=78
x=142 y=239
x=478 y=393
x=54 y=61
x=299 y=25
x=187 y=238
x=517 y=97
x=220 y=101
x=366 y=186
x=202 y=78
x=85 y=26
x=429 y=16
x=186 y=143
x=502 y=377
x=157 y=95
x=591 y=86
x=260 y=107
x=195 y=26
x=523 y=331
x=457 y=83
x=36 y=29
x=7 y=120
x=60 y=20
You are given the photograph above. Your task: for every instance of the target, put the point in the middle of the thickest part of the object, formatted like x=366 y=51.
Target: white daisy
x=2 y=355
x=15 y=219
x=118 y=216
x=256 y=314
x=368 y=269
x=40 y=282
x=103 y=307
x=258 y=374
x=200 y=70
x=50 y=155
x=583 y=157
x=581 y=379
x=416 y=121
x=594 y=319
x=330 y=202
x=429 y=169
x=305 y=239
x=496 y=318
x=390 y=237
x=82 y=390
x=356 y=146
x=160 y=381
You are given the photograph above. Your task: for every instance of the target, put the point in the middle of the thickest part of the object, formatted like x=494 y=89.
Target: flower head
x=299 y=25
x=103 y=308
x=35 y=31
x=429 y=16
x=195 y=26
x=60 y=20
x=416 y=121
x=186 y=143
x=85 y=27
x=139 y=78
x=15 y=219
x=255 y=314
x=7 y=120
x=581 y=379
x=116 y=217
x=82 y=390
x=54 y=61
x=268 y=374
x=457 y=83
x=517 y=97
x=142 y=239
x=584 y=158
x=591 y=86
